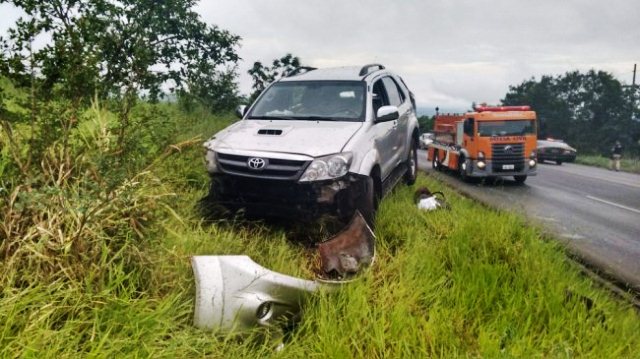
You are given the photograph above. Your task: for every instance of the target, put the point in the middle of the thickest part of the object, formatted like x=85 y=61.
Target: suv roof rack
x=365 y=69
x=301 y=69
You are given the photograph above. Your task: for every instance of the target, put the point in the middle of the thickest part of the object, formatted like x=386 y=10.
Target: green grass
x=465 y=282
x=627 y=164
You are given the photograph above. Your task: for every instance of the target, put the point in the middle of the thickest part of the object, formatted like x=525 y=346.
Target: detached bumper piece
x=233 y=293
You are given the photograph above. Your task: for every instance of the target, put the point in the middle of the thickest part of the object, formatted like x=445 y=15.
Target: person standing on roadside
x=616 y=155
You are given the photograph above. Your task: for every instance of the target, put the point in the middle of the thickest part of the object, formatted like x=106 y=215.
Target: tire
x=520 y=179
x=368 y=205
x=412 y=165
x=462 y=168
x=210 y=206
x=435 y=162
x=559 y=163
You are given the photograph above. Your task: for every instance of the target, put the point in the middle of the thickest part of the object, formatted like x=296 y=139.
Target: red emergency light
x=502 y=108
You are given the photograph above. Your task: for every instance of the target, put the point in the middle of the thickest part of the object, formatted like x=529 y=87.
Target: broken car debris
x=345 y=253
x=428 y=201
x=233 y=293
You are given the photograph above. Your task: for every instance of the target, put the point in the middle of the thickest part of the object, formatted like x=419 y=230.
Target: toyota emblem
x=256 y=163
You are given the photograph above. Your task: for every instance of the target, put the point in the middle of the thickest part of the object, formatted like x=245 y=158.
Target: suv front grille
x=507 y=154
x=275 y=168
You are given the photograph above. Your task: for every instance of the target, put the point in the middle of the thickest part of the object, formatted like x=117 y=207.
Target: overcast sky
x=450 y=53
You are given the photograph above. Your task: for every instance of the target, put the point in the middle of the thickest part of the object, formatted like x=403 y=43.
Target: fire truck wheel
x=435 y=162
x=520 y=179
x=462 y=169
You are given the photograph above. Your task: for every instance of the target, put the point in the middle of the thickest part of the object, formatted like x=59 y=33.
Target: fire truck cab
x=490 y=141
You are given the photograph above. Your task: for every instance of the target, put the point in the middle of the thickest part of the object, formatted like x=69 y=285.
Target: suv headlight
x=327 y=167
x=211 y=161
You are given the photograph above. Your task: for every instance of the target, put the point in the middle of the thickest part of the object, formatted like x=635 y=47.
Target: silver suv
x=319 y=141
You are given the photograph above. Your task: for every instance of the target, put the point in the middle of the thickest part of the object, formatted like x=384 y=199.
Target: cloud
x=449 y=52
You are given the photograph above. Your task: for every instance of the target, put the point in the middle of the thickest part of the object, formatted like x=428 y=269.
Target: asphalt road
x=595 y=212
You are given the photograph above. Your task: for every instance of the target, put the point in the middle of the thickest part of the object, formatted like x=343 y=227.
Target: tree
x=148 y=44
x=426 y=123
x=589 y=110
x=68 y=61
x=122 y=49
x=263 y=75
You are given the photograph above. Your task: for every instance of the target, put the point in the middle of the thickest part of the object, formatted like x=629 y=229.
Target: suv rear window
x=312 y=100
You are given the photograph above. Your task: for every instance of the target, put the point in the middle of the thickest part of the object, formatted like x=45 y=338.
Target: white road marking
x=614 y=204
x=548 y=219
x=571 y=236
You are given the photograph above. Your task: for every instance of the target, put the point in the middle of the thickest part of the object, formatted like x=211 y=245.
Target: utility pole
x=633 y=93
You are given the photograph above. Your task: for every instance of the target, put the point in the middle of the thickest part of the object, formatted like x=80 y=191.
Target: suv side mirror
x=241 y=110
x=387 y=113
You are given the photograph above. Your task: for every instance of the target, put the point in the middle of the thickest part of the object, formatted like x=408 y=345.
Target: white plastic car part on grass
x=429 y=201
x=234 y=293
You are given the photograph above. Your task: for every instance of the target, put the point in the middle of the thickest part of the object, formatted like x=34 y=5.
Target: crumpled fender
x=368 y=162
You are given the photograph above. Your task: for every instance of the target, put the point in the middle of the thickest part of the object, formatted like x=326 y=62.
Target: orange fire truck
x=491 y=141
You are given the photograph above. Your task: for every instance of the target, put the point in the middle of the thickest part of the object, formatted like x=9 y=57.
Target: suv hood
x=311 y=138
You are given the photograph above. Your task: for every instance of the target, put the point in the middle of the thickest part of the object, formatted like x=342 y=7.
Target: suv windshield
x=506 y=128
x=312 y=100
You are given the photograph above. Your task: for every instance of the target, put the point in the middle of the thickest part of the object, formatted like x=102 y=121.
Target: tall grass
x=465 y=282
x=627 y=164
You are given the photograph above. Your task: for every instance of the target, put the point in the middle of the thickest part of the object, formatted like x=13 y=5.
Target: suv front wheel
x=370 y=198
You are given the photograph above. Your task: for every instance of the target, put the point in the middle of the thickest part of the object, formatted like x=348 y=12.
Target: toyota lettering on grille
x=256 y=163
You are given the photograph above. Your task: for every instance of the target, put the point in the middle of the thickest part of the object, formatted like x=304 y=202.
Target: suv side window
x=392 y=91
x=379 y=96
x=403 y=97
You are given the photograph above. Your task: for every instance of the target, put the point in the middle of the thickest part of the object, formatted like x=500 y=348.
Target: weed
x=95 y=262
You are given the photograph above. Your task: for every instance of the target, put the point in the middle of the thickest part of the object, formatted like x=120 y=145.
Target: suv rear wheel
x=412 y=165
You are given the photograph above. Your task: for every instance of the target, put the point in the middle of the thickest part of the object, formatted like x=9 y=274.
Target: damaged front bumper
x=290 y=199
